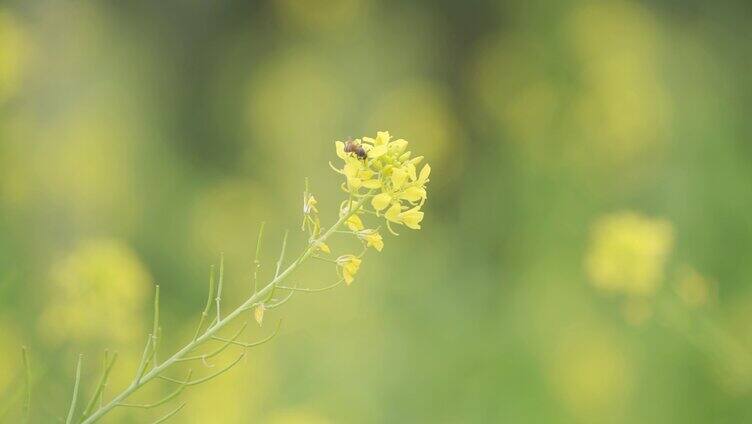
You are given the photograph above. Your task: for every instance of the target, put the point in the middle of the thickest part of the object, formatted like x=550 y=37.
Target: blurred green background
x=587 y=245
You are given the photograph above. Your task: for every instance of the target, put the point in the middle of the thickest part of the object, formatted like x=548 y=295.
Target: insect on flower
x=356 y=148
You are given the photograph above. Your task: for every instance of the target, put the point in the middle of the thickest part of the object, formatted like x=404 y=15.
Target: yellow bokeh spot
x=591 y=373
x=627 y=253
x=13 y=51
x=693 y=289
x=507 y=77
x=226 y=216
x=622 y=107
x=231 y=398
x=322 y=15
x=421 y=112
x=637 y=311
x=295 y=103
x=97 y=293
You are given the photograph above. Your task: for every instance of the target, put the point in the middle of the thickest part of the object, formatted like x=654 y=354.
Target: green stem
x=210 y=333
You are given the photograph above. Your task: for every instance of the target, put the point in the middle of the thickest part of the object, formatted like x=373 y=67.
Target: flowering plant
x=381 y=181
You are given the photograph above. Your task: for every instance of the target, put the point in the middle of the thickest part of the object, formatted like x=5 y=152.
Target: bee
x=356 y=149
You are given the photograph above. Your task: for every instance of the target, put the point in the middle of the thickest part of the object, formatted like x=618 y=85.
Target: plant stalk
x=211 y=331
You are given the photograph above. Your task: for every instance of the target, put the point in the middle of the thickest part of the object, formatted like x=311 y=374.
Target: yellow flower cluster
x=389 y=169
x=383 y=172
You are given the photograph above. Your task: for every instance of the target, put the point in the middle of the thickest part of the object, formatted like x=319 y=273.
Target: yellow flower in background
x=349 y=265
x=97 y=294
x=627 y=253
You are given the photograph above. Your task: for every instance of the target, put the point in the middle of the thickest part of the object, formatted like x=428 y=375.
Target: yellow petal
x=397 y=147
x=381 y=201
x=324 y=248
x=372 y=184
x=377 y=151
x=382 y=138
x=340 y=146
x=413 y=194
x=411 y=171
x=354 y=182
x=393 y=213
x=412 y=218
x=424 y=173
x=399 y=176
x=351 y=169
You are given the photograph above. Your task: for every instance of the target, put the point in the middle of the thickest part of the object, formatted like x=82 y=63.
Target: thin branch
x=321 y=258
x=74 y=400
x=256 y=262
x=27 y=383
x=207 y=308
x=162 y=401
x=254 y=344
x=316 y=290
x=219 y=285
x=144 y=360
x=280 y=302
x=170 y=414
x=102 y=383
x=218 y=350
x=207 y=378
x=155 y=329
x=282 y=253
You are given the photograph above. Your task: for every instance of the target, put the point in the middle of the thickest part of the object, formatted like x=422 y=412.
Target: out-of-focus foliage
x=585 y=254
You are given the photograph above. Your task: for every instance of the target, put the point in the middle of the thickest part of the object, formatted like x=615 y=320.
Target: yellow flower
x=323 y=247
x=372 y=239
x=413 y=194
x=412 y=218
x=350 y=265
x=397 y=147
x=382 y=137
x=354 y=223
x=393 y=213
